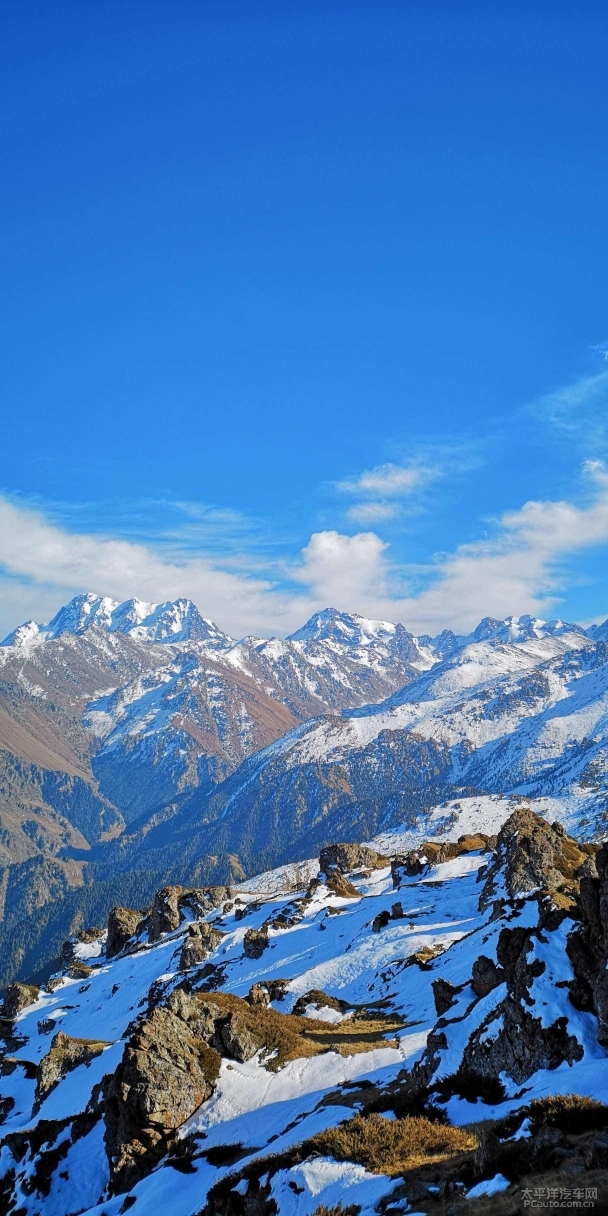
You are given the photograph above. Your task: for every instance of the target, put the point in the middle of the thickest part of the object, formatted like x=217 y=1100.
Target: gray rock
x=349 y=856
x=17 y=998
x=122 y=924
x=65 y=1054
x=486 y=976
x=255 y=942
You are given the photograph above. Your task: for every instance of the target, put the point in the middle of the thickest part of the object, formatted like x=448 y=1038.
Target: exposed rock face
x=532 y=855
x=347 y=856
x=65 y=1054
x=17 y=997
x=432 y=852
x=266 y=991
x=340 y=885
x=171 y=903
x=201 y=938
x=587 y=946
x=444 y=995
x=255 y=942
x=122 y=924
x=512 y=1039
x=486 y=976
x=167 y=1070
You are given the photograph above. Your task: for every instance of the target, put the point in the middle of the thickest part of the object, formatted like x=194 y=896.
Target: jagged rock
x=65 y=1054
x=239 y=1039
x=434 y=852
x=166 y=1071
x=171 y=903
x=17 y=998
x=320 y=1000
x=444 y=995
x=255 y=942
x=521 y=1044
x=266 y=991
x=80 y=971
x=532 y=855
x=380 y=921
x=200 y=939
x=258 y=995
x=486 y=976
x=349 y=856
x=587 y=945
x=341 y=886
x=122 y=924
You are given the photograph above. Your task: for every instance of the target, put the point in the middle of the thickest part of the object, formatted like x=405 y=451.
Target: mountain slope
x=390 y=1034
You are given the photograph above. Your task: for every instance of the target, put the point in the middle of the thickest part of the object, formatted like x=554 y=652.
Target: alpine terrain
x=359 y=1033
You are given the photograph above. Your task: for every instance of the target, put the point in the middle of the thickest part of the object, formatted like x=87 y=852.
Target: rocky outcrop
x=173 y=903
x=199 y=941
x=433 y=852
x=511 y=1039
x=17 y=998
x=65 y=1054
x=122 y=924
x=266 y=991
x=485 y=976
x=255 y=942
x=587 y=945
x=349 y=856
x=167 y=1070
x=534 y=856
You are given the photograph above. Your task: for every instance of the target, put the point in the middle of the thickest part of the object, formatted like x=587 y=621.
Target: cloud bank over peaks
x=520 y=568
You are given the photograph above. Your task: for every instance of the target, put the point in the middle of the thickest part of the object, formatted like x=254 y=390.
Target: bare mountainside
x=362 y=1034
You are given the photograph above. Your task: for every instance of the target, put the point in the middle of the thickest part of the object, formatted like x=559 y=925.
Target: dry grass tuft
x=353 y=1209
x=386 y=1146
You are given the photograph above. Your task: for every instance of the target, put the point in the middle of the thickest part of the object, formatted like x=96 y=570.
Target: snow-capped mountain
x=359 y=1033
x=130 y=752
x=177 y=621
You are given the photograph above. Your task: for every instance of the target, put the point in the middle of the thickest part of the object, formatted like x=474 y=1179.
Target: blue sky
x=305 y=303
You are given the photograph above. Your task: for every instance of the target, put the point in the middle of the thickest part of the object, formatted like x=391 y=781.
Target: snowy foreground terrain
x=162 y=1072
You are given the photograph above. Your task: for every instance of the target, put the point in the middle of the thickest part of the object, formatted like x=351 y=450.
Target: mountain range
x=140 y=744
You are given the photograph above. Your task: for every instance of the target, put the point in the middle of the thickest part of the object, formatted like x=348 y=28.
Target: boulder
x=172 y=903
x=255 y=942
x=444 y=995
x=533 y=855
x=122 y=924
x=341 y=886
x=486 y=976
x=65 y=1054
x=434 y=852
x=199 y=941
x=17 y=998
x=266 y=991
x=166 y=1072
x=349 y=856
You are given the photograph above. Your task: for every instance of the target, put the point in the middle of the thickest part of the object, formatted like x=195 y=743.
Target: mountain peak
x=172 y=621
x=330 y=625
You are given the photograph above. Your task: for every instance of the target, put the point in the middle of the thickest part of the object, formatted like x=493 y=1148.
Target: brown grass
x=353 y=1209
x=386 y=1146
x=288 y=1037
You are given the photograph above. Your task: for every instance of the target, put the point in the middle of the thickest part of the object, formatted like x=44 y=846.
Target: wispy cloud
x=388 y=481
x=372 y=512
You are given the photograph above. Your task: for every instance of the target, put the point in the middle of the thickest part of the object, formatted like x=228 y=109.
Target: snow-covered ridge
x=172 y=621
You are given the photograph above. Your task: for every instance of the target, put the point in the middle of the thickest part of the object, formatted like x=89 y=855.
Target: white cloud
x=343 y=571
x=387 y=481
x=518 y=569
x=372 y=512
